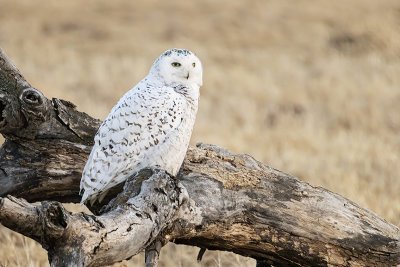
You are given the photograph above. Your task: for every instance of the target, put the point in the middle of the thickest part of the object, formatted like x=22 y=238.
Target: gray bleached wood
x=220 y=200
x=261 y=212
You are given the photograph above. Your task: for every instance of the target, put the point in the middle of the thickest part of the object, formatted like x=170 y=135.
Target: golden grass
x=308 y=87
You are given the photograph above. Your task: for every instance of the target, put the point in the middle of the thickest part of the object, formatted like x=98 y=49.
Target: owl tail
x=84 y=197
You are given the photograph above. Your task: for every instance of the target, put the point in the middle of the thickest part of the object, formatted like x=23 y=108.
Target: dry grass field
x=308 y=87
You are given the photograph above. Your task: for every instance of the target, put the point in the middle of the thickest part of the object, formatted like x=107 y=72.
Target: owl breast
x=170 y=153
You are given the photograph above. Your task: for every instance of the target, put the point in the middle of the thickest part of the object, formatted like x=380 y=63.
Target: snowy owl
x=150 y=126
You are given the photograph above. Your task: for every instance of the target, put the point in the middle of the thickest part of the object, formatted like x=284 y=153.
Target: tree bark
x=219 y=200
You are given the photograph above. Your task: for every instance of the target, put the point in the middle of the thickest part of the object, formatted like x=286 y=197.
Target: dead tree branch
x=220 y=200
x=81 y=239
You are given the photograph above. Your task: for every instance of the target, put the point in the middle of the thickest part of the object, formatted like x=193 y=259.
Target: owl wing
x=142 y=119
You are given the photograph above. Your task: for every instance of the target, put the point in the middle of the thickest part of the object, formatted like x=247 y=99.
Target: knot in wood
x=34 y=103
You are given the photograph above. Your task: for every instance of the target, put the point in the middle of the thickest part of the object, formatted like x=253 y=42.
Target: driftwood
x=220 y=200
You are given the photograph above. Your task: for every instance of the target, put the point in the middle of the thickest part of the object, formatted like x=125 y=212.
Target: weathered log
x=220 y=200
x=81 y=239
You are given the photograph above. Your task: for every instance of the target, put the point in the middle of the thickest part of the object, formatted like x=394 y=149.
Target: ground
x=308 y=87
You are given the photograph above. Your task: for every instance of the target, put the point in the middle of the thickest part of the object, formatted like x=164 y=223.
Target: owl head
x=178 y=66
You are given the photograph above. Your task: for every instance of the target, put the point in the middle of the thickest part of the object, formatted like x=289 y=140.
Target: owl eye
x=175 y=64
x=194 y=64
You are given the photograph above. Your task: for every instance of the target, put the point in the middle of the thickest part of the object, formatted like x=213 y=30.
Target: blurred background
x=308 y=87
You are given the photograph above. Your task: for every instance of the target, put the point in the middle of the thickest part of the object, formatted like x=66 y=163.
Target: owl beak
x=187 y=76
